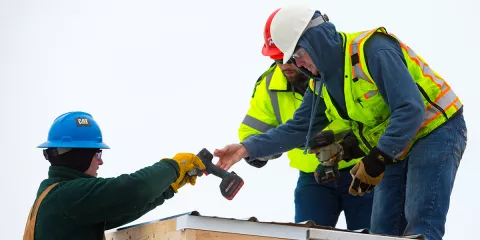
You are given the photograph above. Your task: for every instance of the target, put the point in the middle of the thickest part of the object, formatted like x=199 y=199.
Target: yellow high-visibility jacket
x=273 y=103
x=368 y=112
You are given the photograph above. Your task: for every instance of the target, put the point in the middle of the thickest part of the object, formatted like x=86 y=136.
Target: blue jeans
x=414 y=195
x=323 y=203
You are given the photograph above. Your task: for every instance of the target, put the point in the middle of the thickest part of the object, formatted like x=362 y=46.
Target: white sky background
x=163 y=77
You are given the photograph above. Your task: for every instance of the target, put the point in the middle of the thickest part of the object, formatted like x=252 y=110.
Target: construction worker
x=73 y=203
x=405 y=116
x=278 y=93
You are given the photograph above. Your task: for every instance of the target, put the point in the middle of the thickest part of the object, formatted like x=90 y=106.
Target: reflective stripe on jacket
x=368 y=112
x=272 y=104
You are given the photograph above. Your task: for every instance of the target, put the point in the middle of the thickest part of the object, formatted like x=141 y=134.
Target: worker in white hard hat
x=321 y=193
x=406 y=117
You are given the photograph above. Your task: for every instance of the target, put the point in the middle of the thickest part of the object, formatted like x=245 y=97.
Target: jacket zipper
x=359 y=102
x=360 y=125
x=360 y=129
x=430 y=101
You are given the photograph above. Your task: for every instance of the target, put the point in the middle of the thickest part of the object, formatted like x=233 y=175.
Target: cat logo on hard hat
x=83 y=122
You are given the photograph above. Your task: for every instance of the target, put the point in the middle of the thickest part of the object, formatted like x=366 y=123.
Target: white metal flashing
x=241 y=227
x=193 y=220
x=324 y=234
x=266 y=229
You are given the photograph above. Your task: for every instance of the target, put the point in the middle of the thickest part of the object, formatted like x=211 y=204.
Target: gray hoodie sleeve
x=292 y=133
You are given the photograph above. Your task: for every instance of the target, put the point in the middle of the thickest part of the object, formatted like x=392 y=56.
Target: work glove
x=186 y=162
x=351 y=149
x=368 y=173
x=261 y=162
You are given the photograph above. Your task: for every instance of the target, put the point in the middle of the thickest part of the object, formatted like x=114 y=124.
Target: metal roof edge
x=195 y=213
x=240 y=227
x=278 y=230
x=321 y=234
x=252 y=226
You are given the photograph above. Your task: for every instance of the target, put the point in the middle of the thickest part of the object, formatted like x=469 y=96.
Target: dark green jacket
x=83 y=207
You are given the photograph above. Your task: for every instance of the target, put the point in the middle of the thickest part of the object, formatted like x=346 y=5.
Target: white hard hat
x=287 y=27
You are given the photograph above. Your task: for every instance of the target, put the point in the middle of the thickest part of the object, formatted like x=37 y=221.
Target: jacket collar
x=64 y=173
x=279 y=81
x=59 y=174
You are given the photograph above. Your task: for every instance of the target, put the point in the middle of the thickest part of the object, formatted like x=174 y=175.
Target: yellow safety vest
x=272 y=104
x=368 y=112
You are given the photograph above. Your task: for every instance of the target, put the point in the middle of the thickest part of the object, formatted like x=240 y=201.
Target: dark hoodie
x=388 y=69
x=83 y=207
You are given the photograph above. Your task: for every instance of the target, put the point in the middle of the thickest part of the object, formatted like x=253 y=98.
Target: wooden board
x=203 y=235
x=156 y=231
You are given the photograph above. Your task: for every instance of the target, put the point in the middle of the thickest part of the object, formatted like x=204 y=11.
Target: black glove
x=351 y=150
x=368 y=173
x=259 y=163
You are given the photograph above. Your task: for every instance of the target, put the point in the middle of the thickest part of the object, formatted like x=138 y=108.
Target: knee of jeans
x=425 y=225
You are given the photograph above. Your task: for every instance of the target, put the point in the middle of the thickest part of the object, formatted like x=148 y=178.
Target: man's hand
x=186 y=162
x=230 y=154
x=368 y=173
x=351 y=148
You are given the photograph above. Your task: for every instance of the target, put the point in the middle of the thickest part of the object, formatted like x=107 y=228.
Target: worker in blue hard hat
x=73 y=203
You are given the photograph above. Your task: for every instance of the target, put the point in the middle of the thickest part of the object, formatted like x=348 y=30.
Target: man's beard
x=299 y=79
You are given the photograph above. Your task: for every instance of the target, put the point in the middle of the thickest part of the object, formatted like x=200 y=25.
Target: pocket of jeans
x=462 y=130
x=460 y=139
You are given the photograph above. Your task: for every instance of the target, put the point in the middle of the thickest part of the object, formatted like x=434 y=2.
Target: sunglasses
x=299 y=53
x=98 y=155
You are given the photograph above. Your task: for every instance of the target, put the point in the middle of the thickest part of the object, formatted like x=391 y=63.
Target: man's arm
x=292 y=133
x=389 y=71
x=260 y=118
x=93 y=200
x=125 y=219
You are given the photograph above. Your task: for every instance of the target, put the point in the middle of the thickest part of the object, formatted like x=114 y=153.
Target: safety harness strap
x=29 y=233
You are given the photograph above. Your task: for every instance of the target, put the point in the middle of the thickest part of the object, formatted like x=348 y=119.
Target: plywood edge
x=167 y=230
x=156 y=231
x=208 y=235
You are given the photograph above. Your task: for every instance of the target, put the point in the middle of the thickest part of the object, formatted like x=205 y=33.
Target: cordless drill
x=325 y=172
x=231 y=182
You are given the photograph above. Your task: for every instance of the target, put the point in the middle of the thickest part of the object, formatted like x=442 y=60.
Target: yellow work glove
x=368 y=173
x=186 y=162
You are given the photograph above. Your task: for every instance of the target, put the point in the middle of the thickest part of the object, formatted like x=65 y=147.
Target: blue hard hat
x=74 y=130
